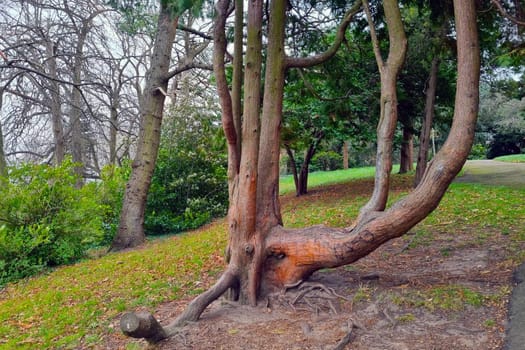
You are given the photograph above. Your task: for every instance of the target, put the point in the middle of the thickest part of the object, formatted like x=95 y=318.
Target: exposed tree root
x=316 y=296
x=144 y=325
x=347 y=338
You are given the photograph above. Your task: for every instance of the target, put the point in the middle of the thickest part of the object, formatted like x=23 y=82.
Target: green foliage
x=502 y=121
x=45 y=220
x=478 y=151
x=189 y=186
x=110 y=193
x=326 y=161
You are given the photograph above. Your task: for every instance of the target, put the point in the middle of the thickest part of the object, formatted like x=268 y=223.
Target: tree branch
x=373 y=35
x=186 y=67
x=303 y=62
x=193 y=31
x=505 y=14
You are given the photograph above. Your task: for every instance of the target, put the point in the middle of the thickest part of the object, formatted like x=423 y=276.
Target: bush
x=326 y=161
x=506 y=143
x=44 y=220
x=110 y=193
x=478 y=151
x=188 y=189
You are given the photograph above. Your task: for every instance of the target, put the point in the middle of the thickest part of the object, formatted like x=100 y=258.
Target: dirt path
x=492 y=172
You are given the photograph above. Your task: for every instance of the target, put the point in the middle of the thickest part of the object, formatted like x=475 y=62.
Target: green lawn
x=76 y=306
x=321 y=178
x=513 y=158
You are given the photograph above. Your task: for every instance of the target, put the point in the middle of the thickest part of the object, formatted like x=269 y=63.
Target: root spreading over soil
x=451 y=294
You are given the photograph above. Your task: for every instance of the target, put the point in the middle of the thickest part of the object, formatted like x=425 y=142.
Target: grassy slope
x=74 y=306
x=514 y=158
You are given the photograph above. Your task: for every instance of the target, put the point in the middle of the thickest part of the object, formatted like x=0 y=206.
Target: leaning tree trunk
x=131 y=227
x=426 y=126
x=389 y=71
x=273 y=256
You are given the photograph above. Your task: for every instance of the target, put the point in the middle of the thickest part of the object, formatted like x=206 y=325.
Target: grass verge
x=513 y=158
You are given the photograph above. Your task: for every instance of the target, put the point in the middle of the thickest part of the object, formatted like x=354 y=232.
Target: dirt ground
x=451 y=294
x=384 y=299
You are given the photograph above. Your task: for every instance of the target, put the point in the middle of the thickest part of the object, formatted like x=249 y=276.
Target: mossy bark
x=131 y=227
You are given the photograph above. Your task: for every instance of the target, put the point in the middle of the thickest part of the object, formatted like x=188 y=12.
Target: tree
x=263 y=256
x=60 y=54
x=131 y=228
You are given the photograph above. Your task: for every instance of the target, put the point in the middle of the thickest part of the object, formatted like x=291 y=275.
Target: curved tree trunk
x=269 y=257
x=131 y=227
x=386 y=127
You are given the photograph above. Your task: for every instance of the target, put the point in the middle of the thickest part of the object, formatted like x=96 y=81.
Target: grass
x=323 y=178
x=77 y=306
x=513 y=158
x=446 y=298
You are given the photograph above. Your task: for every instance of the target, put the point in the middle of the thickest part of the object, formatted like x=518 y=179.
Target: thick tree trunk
x=426 y=126
x=389 y=71
x=131 y=228
x=244 y=242
x=274 y=257
x=406 y=162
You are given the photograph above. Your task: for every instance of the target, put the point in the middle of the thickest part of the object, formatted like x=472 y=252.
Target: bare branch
x=303 y=62
x=505 y=14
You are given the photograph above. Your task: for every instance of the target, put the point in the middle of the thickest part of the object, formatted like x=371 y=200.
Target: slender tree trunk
x=238 y=72
x=302 y=187
x=345 y=155
x=131 y=227
x=426 y=126
x=3 y=163
x=76 y=101
x=406 y=163
x=55 y=104
x=113 y=126
x=389 y=71
x=293 y=167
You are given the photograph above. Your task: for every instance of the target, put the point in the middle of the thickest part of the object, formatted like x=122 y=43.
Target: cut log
x=142 y=325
